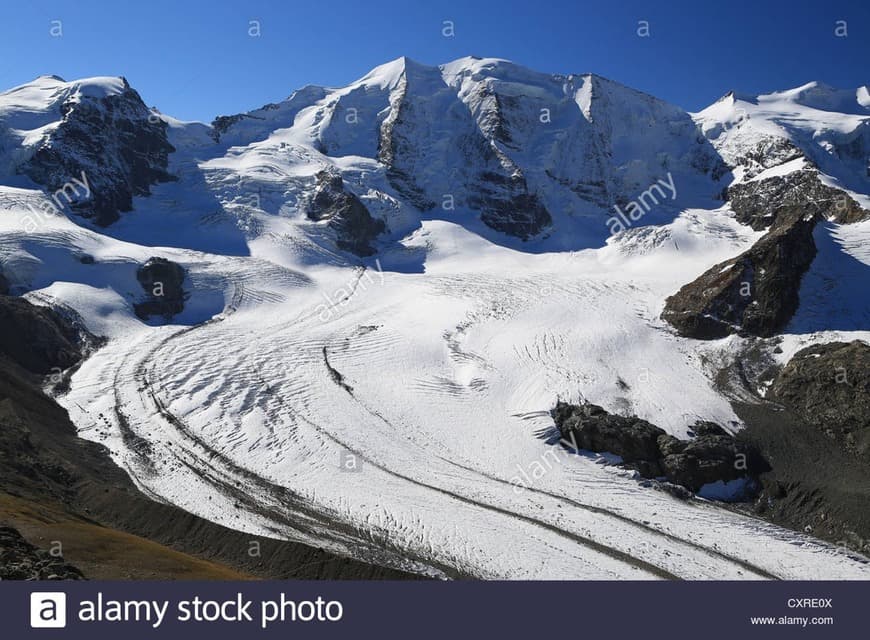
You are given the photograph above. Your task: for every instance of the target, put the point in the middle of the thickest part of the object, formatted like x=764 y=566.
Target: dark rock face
x=828 y=385
x=221 y=124
x=37 y=338
x=112 y=141
x=757 y=292
x=354 y=226
x=712 y=456
x=594 y=429
x=4 y=285
x=20 y=560
x=762 y=204
x=520 y=214
x=162 y=281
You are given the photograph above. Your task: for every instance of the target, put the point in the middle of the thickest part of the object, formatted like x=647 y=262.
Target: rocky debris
x=711 y=456
x=828 y=385
x=706 y=428
x=20 y=560
x=162 y=281
x=675 y=490
x=815 y=481
x=114 y=142
x=354 y=226
x=38 y=338
x=335 y=374
x=756 y=293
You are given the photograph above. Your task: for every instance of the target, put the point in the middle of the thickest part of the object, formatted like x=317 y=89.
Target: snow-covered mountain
x=345 y=318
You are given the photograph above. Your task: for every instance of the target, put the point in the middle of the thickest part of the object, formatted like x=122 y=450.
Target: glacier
x=433 y=363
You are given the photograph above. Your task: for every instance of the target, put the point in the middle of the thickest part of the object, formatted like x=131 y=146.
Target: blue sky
x=195 y=60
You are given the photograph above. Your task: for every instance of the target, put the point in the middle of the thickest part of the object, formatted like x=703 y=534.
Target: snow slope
x=431 y=366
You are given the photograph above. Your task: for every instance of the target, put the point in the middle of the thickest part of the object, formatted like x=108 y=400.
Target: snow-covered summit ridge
x=484 y=141
x=494 y=136
x=96 y=130
x=824 y=128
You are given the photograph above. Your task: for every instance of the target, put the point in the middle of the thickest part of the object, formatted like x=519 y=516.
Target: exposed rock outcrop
x=162 y=281
x=221 y=124
x=768 y=152
x=594 y=429
x=757 y=292
x=20 y=560
x=708 y=459
x=111 y=142
x=712 y=456
x=828 y=385
x=517 y=212
x=37 y=338
x=763 y=203
x=354 y=226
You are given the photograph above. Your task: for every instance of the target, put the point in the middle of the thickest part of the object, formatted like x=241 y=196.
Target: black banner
x=673 y=610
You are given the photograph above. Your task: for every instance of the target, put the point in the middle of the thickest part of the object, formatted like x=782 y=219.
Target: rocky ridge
x=712 y=456
x=107 y=139
x=353 y=224
x=756 y=293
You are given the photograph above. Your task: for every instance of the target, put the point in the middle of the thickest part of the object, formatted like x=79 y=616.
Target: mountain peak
x=389 y=74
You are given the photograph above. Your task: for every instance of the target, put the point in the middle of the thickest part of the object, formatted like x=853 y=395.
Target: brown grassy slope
x=104 y=553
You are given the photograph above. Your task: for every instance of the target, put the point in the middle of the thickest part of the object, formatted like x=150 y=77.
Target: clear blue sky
x=195 y=59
